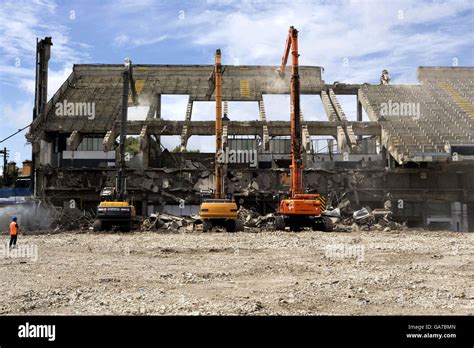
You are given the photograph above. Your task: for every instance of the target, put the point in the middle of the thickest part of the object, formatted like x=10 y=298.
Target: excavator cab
x=113 y=213
x=219 y=212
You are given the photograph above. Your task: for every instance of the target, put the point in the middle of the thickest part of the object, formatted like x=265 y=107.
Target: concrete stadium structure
x=416 y=151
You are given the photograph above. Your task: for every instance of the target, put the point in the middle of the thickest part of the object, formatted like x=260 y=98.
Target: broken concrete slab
x=362 y=215
x=202 y=185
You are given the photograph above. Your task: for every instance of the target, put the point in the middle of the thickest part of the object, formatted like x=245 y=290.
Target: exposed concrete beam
x=306 y=138
x=143 y=137
x=184 y=132
x=333 y=116
x=109 y=140
x=345 y=88
x=328 y=107
x=155 y=107
x=275 y=128
x=73 y=141
x=359 y=114
x=369 y=108
x=144 y=145
x=348 y=133
x=263 y=118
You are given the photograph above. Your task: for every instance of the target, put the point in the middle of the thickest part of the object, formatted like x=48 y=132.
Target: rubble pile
x=71 y=219
x=364 y=219
x=47 y=216
x=248 y=216
x=343 y=218
x=170 y=223
x=252 y=219
x=68 y=222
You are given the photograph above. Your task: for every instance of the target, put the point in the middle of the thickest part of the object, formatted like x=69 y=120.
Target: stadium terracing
x=417 y=146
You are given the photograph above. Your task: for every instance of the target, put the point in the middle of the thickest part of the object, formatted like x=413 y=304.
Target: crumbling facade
x=416 y=151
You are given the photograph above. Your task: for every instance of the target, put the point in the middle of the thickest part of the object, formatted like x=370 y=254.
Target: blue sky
x=352 y=40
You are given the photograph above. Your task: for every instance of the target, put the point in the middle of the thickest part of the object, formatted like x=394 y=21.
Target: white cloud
x=173 y=107
x=56 y=78
x=17 y=115
x=204 y=111
x=203 y=143
x=371 y=35
x=125 y=40
x=21 y=23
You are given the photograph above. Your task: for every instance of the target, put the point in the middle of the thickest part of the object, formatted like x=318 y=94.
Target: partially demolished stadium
x=415 y=155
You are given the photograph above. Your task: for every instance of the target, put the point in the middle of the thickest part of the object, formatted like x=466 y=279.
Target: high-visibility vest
x=13 y=228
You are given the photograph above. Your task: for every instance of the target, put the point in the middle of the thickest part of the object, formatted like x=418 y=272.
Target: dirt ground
x=409 y=272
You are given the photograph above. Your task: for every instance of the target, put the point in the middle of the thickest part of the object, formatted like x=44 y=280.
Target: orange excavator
x=217 y=210
x=299 y=209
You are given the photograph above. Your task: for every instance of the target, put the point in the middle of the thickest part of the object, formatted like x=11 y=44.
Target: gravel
x=258 y=273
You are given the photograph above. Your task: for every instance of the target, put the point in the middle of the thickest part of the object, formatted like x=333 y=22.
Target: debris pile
x=343 y=217
x=69 y=222
x=67 y=219
x=248 y=216
x=364 y=219
x=252 y=219
x=170 y=223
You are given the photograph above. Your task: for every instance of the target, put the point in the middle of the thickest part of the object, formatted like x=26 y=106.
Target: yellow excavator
x=217 y=210
x=114 y=210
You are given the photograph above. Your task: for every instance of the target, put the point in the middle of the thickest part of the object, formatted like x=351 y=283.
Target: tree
x=132 y=145
x=178 y=149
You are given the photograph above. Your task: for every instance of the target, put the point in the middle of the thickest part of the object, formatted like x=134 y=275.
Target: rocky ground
x=250 y=273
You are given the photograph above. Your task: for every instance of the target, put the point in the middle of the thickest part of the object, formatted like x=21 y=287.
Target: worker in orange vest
x=13 y=232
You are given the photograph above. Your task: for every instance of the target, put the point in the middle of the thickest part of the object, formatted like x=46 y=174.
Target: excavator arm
x=296 y=134
x=286 y=52
x=128 y=84
x=300 y=209
x=219 y=176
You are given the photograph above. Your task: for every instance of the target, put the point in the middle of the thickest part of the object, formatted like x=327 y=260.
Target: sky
x=353 y=40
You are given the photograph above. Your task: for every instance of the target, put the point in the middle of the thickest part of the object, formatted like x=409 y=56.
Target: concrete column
x=456 y=216
x=158 y=116
x=144 y=205
x=359 y=116
x=359 y=110
x=144 y=147
x=184 y=132
x=464 y=218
